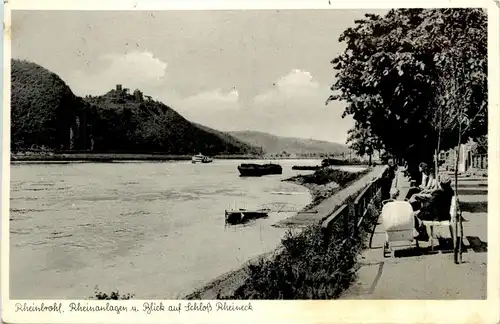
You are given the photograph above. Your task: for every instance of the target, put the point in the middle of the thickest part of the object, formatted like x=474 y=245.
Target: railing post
x=356 y=219
x=346 y=217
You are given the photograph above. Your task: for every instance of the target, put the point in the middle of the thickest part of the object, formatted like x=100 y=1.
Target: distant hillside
x=273 y=144
x=46 y=114
x=42 y=107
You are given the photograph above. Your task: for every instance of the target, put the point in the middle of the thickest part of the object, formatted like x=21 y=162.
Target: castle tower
x=138 y=96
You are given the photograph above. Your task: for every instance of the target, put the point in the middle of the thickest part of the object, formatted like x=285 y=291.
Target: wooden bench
x=451 y=224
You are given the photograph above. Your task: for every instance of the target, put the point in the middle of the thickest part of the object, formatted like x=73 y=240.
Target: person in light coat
x=427 y=184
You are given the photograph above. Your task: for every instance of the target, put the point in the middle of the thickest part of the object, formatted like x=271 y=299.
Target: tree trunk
x=458 y=223
x=439 y=142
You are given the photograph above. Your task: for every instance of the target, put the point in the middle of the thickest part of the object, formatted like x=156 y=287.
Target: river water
x=152 y=229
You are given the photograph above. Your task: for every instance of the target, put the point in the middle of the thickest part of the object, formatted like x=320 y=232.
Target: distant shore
x=48 y=157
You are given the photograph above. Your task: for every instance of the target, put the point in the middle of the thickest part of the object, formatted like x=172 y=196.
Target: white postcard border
x=339 y=311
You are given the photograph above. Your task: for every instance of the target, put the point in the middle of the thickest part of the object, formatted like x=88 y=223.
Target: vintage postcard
x=250 y=161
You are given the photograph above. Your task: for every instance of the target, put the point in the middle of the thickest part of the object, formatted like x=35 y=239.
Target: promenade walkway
x=422 y=274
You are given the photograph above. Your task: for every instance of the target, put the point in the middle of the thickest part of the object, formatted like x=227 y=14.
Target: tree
x=405 y=77
x=363 y=142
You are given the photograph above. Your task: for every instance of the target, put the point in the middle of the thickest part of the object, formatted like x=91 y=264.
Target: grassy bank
x=325 y=182
x=327 y=175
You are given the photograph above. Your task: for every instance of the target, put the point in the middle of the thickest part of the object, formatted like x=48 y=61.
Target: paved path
x=420 y=274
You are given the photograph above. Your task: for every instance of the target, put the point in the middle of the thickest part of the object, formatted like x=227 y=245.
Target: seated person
x=427 y=182
x=421 y=198
x=437 y=207
x=405 y=169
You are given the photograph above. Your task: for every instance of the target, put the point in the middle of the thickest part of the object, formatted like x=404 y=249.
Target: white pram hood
x=397 y=217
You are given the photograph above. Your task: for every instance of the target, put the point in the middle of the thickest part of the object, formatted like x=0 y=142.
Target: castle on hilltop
x=120 y=94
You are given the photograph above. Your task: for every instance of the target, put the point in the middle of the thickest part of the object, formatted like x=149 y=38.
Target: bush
x=114 y=295
x=327 y=175
x=308 y=267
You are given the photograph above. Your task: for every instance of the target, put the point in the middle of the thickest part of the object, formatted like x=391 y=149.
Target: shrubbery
x=327 y=175
x=114 y=295
x=309 y=266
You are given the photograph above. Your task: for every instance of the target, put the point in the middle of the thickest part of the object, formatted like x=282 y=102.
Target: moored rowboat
x=241 y=215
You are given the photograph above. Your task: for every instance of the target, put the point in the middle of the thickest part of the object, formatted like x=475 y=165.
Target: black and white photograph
x=243 y=155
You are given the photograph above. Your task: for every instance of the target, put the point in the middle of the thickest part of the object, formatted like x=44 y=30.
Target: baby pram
x=399 y=223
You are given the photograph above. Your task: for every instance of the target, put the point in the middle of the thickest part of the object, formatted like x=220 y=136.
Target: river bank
x=110 y=157
x=228 y=283
x=121 y=157
x=70 y=157
x=325 y=182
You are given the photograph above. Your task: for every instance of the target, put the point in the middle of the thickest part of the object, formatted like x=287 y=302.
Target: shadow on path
x=462 y=192
x=474 y=206
x=445 y=245
x=477 y=245
x=472 y=185
x=466 y=180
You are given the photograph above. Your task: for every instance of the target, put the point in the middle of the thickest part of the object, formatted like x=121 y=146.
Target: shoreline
x=123 y=157
x=228 y=282
x=110 y=157
x=79 y=157
x=321 y=192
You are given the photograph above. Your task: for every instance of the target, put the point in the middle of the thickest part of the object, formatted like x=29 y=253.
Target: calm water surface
x=152 y=229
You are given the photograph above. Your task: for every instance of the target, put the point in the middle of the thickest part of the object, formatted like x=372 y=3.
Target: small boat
x=200 y=158
x=257 y=170
x=242 y=215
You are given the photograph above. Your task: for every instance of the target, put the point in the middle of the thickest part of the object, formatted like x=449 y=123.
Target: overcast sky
x=230 y=70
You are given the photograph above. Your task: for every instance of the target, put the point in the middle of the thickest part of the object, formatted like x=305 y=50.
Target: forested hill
x=277 y=144
x=46 y=114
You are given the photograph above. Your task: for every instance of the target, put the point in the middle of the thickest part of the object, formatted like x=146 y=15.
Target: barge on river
x=257 y=170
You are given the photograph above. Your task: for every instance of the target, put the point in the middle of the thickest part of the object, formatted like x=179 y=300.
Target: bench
x=451 y=224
